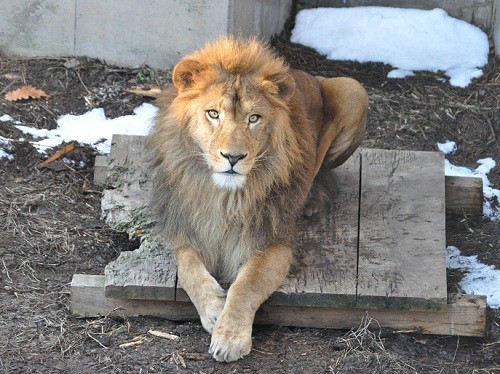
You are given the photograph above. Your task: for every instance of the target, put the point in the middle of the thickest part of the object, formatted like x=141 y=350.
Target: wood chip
x=131 y=344
x=138 y=340
x=164 y=335
x=61 y=152
x=178 y=359
x=12 y=76
x=149 y=91
x=195 y=356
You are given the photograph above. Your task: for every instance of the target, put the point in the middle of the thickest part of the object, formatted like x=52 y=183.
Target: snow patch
x=6 y=118
x=479 y=279
x=408 y=39
x=447 y=147
x=4 y=147
x=93 y=128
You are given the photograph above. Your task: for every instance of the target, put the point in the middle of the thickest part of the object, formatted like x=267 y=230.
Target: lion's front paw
x=212 y=311
x=230 y=341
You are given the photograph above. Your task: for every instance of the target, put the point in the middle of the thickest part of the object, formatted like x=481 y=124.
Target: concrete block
x=156 y=32
x=37 y=27
x=131 y=32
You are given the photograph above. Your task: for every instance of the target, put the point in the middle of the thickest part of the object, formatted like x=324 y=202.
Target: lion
x=236 y=148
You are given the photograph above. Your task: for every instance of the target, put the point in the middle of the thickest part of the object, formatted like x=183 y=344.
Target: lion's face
x=232 y=127
x=232 y=118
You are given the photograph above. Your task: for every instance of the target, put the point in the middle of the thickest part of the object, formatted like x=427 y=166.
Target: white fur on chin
x=229 y=181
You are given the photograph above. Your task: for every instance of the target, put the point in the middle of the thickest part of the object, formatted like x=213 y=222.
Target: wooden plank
x=463 y=315
x=327 y=249
x=327 y=273
x=125 y=204
x=464 y=194
x=101 y=164
x=402 y=244
x=149 y=272
x=88 y=299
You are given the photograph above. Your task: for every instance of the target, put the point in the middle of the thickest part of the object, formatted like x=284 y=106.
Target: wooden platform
x=380 y=249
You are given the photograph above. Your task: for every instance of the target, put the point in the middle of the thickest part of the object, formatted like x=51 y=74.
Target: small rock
x=71 y=64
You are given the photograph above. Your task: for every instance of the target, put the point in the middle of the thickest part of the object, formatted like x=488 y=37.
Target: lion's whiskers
x=261 y=157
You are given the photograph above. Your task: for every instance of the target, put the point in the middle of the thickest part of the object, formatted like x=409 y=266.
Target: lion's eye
x=254 y=118
x=212 y=114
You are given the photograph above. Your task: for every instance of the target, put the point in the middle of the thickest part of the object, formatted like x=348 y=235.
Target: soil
x=50 y=229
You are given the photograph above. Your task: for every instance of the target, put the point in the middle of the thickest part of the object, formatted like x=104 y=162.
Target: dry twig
x=164 y=335
x=61 y=152
x=138 y=340
x=148 y=91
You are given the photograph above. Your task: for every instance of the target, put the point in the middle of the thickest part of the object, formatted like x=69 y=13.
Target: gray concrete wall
x=131 y=32
x=153 y=32
x=34 y=27
x=159 y=32
x=260 y=17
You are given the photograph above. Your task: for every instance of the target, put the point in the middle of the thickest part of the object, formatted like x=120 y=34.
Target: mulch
x=51 y=228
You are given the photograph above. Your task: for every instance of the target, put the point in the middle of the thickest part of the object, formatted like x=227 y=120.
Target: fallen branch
x=61 y=152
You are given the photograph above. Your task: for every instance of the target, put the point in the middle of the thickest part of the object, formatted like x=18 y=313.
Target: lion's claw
x=232 y=348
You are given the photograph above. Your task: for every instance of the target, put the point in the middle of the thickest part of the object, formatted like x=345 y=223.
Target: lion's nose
x=233 y=158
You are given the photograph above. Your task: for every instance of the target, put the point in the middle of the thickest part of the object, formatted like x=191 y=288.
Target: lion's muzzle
x=233 y=158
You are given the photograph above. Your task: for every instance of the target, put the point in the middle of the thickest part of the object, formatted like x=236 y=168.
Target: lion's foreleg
x=204 y=291
x=256 y=281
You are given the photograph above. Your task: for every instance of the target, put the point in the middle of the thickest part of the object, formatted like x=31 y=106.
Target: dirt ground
x=50 y=229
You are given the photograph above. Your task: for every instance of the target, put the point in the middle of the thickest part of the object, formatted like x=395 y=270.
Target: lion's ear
x=184 y=73
x=282 y=85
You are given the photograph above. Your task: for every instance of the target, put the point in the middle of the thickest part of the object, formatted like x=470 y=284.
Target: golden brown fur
x=235 y=150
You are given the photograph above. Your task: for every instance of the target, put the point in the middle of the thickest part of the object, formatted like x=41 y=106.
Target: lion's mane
x=226 y=226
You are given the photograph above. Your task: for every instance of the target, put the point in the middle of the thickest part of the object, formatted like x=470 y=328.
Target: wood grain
x=327 y=249
x=101 y=164
x=464 y=194
x=402 y=230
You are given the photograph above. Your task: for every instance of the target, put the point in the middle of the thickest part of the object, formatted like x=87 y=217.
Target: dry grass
x=364 y=344
x=363 y=338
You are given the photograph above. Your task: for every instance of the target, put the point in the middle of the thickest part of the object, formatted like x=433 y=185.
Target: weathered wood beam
x=464 y=194
x=463 y=315
x=101 y=164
